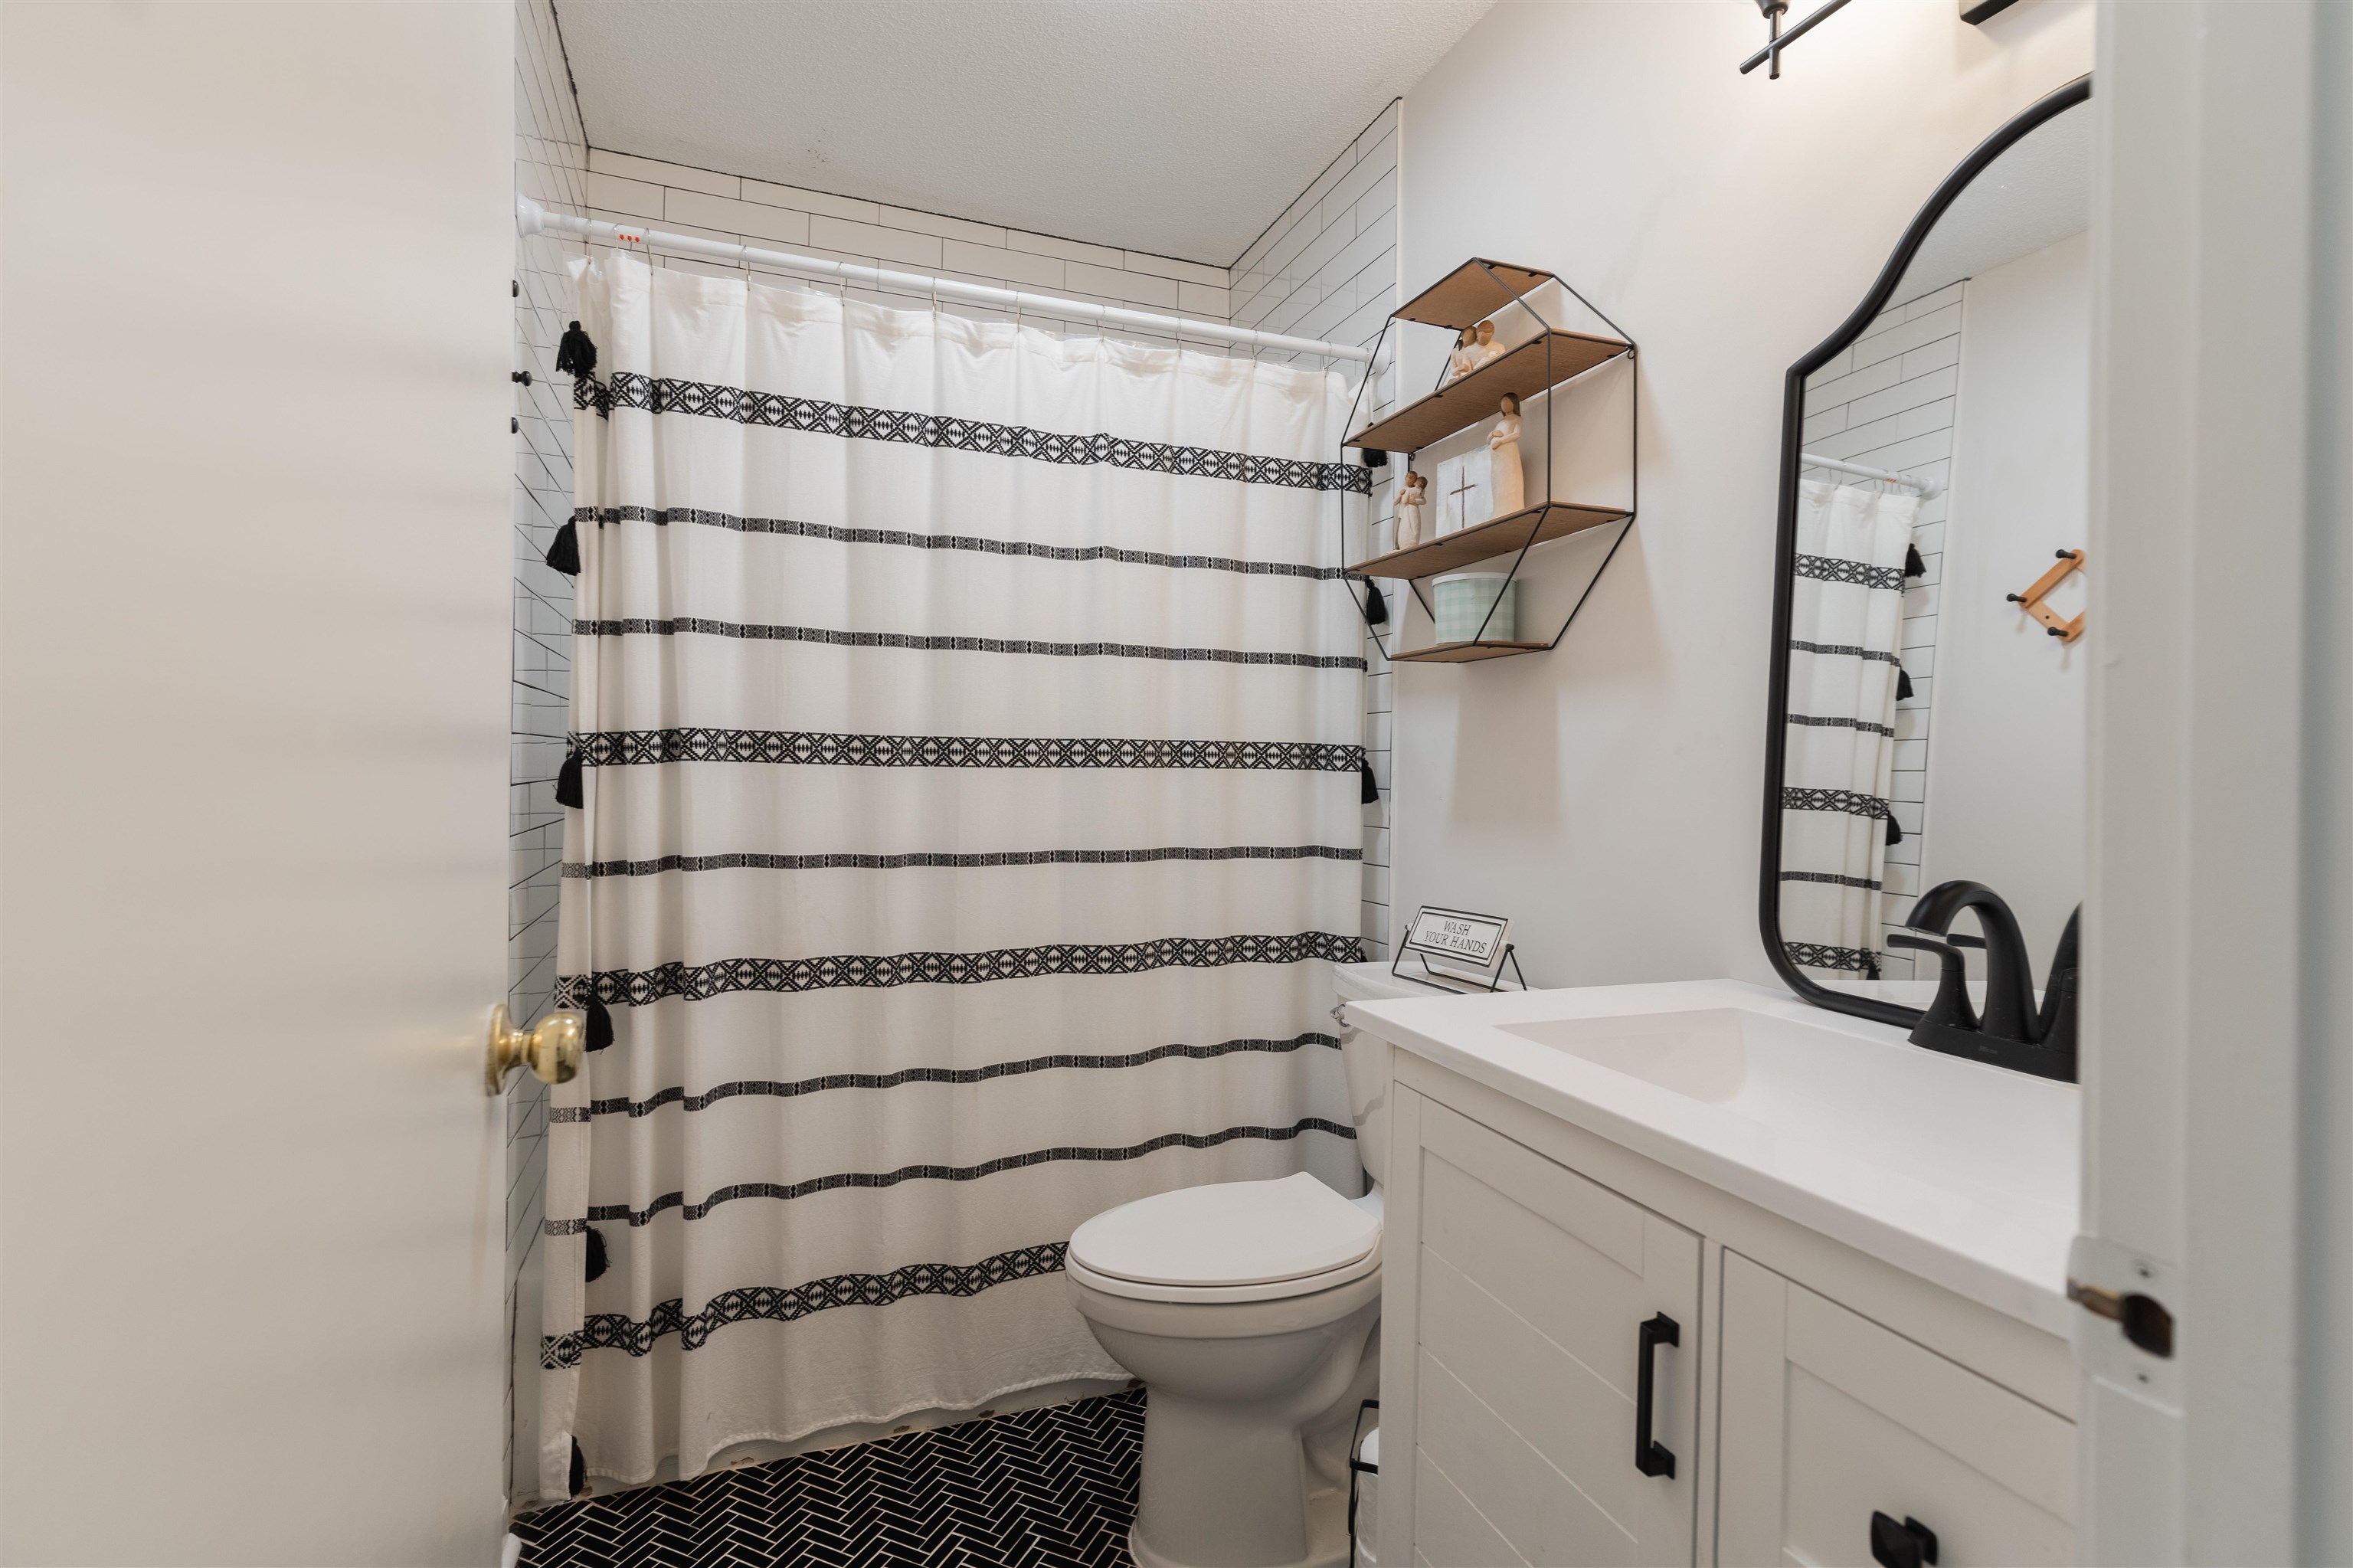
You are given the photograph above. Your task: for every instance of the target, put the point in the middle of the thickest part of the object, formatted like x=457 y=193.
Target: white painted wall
x=2005 y=799
x=1607 y=795
x=256 y=621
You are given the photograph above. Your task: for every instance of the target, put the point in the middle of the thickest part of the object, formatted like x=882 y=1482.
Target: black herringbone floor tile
x=1039 y=1489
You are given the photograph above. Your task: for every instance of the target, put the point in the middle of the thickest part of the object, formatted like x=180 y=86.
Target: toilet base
x=1327 y=1536
x=1243 y=1463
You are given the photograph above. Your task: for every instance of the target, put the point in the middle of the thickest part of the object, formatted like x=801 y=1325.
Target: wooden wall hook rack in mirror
x=2059 y=626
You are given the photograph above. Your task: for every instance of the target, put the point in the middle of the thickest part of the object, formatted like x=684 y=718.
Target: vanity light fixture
x=1977 y=13
x=1777 y=40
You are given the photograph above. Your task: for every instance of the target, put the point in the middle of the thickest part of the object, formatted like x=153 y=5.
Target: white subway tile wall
x=1888 y=402
x=552 y=168
x=711 y=205
x=1327 y=268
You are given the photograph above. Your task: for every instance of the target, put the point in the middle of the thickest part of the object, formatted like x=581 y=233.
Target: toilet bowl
x=1250 y=1310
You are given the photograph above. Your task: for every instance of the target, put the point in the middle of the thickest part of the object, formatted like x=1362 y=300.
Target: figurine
x=1486 y=350
x=1411 y=495
x=1464 y=359
x=1504 y=481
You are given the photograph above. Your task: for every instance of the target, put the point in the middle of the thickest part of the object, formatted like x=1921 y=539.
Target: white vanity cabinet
x=1799 y=1386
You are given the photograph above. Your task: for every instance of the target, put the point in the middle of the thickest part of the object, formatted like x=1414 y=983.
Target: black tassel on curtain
x=576 y=353
x=600 y=1024
x=565 y=554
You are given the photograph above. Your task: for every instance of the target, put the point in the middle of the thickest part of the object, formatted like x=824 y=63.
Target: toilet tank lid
x=1373 y=982
x=1235 y=1233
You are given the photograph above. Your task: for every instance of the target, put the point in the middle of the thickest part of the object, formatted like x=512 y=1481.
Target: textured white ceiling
x=2035 y=195
x=1181 y=127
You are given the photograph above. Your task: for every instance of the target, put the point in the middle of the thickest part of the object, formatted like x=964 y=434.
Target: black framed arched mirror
x=1926 y=717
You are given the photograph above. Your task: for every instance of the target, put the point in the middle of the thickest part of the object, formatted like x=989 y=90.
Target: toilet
x=1251 y=1311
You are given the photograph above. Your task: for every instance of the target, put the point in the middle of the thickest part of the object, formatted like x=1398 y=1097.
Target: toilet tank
x=1366 y=1060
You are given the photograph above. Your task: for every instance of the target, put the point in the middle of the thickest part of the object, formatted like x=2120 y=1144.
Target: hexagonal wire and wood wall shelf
x=1470 y=294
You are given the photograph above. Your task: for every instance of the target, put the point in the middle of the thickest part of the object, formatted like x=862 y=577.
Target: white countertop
x=1964 y=1174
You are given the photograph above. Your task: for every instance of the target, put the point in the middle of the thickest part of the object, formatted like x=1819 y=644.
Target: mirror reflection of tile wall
x=1888 y=402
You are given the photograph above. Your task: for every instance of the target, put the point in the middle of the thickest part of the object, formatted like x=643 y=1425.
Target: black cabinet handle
x=1906 y=1545
x=1653 y=1458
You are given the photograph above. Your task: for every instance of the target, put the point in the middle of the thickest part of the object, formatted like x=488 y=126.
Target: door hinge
x=2145 y=1321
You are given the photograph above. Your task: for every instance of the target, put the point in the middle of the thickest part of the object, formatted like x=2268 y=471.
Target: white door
x=1541 y=1297
x=256 y=621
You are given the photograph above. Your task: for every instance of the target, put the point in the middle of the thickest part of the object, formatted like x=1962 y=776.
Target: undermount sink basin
x=1702 y=1054
x=1886 y=1102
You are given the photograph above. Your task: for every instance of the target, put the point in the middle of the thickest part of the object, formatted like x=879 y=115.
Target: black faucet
x=2011 y=1033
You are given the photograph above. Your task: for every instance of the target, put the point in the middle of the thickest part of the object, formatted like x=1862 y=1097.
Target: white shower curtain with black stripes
x=969 y=728
x=1846 y=622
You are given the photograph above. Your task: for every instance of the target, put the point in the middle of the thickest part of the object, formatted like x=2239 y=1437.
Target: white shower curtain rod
x=1924 y=487
x=532 y=218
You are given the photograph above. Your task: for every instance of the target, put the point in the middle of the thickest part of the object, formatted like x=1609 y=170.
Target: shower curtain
x=1845 y=630
x=967 y=729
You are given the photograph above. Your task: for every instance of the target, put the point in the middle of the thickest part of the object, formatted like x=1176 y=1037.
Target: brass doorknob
x=550 y=1048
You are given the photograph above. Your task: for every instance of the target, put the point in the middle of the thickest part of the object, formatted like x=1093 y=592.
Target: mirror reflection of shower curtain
x=1845 y=632
x=971 y=723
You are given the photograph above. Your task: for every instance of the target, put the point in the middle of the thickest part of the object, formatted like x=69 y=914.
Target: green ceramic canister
x=1462 y=599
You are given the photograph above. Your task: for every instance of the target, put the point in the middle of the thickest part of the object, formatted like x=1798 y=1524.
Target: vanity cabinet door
x=1828 y=1419
x=1534 y=1287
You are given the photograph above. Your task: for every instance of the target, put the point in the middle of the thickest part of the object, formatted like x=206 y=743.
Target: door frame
x=2219 y=871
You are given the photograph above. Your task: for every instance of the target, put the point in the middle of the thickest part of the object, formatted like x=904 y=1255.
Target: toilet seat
x=1233 y=1241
